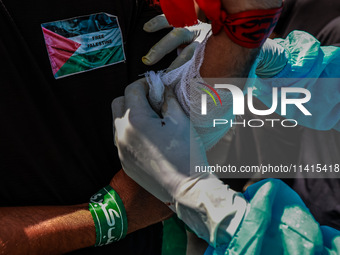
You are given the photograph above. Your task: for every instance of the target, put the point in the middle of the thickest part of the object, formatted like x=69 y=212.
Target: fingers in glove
x=170 y=42
x=171 y=108
x=155 y=24
x=118 y=110
x=136 y=99
x=184 y=57
x=118 y=107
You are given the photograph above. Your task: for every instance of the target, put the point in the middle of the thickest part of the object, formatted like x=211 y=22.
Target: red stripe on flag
x=59 y=48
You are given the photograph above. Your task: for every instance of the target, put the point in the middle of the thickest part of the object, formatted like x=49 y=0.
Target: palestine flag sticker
x=83 y=43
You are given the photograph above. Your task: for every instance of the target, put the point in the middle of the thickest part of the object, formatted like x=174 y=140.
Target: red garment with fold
x=248 y=29
x=179 y=13
x=211 y=8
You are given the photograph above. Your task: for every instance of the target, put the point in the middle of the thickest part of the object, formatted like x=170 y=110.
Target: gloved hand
x=178 y=36
x=158 y=147
x=160 y=154
x=272 y=57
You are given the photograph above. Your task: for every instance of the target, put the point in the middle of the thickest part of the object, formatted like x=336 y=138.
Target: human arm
x=45 y=229
x=223 y=57
x=216 y=57
x=269 y=218
x=222 y=53
x=272 y=57
x=299 y=57
x=166 y=167
x=61 y=229
x=309 y=66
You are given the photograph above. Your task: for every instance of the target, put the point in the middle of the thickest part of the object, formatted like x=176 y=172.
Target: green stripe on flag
x=84 y=62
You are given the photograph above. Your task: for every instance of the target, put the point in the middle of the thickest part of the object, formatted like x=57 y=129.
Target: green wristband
x=109 y=216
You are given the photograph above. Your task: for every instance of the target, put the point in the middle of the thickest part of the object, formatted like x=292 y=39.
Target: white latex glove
x=178 y=36
x=160 y=154
x=146 y=141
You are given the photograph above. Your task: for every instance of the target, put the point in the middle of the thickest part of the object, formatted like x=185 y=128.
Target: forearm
x=61 y=229
x=142 y=208
x=45 y=229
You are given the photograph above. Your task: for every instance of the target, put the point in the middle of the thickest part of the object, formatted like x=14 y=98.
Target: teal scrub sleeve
x=309 y=66
x=278 y=222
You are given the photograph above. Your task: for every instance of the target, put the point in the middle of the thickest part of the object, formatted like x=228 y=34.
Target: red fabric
x=179 y=13
x=250 y=29
x=211 y=8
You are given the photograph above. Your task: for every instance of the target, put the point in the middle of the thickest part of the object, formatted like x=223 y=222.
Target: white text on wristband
x=109 y=216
